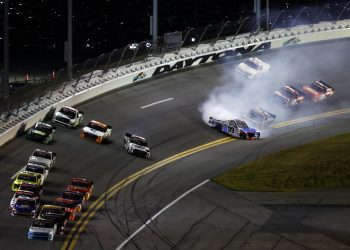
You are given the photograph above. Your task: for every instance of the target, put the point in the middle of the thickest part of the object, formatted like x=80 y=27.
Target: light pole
x=5 y=79
x=155 y=26
x=70 y=40
x=267 y=14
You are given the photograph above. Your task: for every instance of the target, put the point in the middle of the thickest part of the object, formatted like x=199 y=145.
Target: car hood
x=248 y=130
x=59 y=114
x=139 y=147
x=25 y=207
x=93 y=131
x=41 y=229
x=39 y=160
x=245 y=69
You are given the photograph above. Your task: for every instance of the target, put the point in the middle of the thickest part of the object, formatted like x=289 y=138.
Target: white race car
x=43 y=158
x=136 y=145
x=252 y=67
x=96 y=131
x=68 y=116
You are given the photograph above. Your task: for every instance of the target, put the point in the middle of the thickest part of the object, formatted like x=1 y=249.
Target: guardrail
x=96 y=83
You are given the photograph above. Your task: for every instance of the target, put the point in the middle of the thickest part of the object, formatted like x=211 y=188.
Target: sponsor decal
x=291 y=41
x=139 y=76
x=210 y=58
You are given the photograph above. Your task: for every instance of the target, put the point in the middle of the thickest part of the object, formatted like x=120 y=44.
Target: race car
x=260 y=117
x=138 y=145
x=289 y=95
x=83 y=186
x=42 y=229
x=318 y=91
x=25 y=206
x=68 y=116
x=236 y=128
x=44 y=158
x=23 y=193
x=37 y=169
x=30 y=178
x=42 y=132
x=71 y=207
x=76 y=196
x=253 y=67
x=55 y=213
x=96 y=131
x=35 y=188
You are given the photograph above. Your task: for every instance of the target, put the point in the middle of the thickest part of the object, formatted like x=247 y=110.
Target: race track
x=204 y=218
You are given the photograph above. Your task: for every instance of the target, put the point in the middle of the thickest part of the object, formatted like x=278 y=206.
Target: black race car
x=42 y=132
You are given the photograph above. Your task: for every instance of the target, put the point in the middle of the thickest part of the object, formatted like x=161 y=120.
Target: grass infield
x=321 y=164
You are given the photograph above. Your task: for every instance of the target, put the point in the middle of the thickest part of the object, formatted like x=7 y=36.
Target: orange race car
x=83 y=186
x=70 y=205
x=96 y=131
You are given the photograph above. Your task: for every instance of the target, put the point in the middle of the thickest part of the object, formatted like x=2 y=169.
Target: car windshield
x=68 y=112
x=42 y=154
x=65 y=204
x=72 y=196
x=43 y=224
x=28 y=187
x=253 y=64
x=25 y=202
x=139 y=141
x=242 y=124
x=83 y=184
x=24 y=194
x=42 y=127
x=35 y=169
x=51 y=211
x=97 y=127
x=27 y=177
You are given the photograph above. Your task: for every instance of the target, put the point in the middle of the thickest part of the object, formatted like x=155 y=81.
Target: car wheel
x=243 y=136
x=219 y=128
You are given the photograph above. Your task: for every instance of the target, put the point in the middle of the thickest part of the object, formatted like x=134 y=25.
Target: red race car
x=70 y=205
x=83 y=186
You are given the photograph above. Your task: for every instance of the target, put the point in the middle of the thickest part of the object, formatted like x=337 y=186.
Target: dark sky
x=38 y=27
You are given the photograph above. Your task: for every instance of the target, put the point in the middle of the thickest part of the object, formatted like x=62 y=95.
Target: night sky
x=38 y=27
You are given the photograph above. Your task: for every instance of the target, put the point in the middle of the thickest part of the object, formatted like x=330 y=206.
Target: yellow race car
x=27 y=177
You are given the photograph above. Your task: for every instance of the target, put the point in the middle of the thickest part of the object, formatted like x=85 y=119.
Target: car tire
x=219 y=128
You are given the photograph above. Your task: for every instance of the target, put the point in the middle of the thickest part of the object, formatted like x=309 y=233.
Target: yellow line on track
x=79 y=227
x=311 y=117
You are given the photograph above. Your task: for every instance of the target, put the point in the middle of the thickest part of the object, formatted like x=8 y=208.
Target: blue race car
x=236 y=128
x=25 y=206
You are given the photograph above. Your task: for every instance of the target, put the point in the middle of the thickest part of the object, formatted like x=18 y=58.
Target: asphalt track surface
x=209 y=217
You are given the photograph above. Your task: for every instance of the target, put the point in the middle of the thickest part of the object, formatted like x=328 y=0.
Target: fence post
x=319 y=14
x=108 y=61
x=239 y=28
x=276 y=19
x=183 y=41
x=341 y=13
x=219 y=33
x=82 y=72
x=122 y=55
x=201 y=37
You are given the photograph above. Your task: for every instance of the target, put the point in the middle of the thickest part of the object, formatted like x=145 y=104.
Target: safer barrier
x=94 y=83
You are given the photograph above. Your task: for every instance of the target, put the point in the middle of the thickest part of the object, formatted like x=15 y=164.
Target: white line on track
x=165 y=100
x=159 y=213
x=14 y=176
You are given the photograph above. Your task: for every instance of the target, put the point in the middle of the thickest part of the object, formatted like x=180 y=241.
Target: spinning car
x=42 y=132
x=289 y=95
x=260 y=117
x=236 y=128
x=68 y=116
x=71 y=207
x=82 y=185
x=25 y=206
x=318 y=90
x=252 y=67
x=136 y=145
x=96 y=131
x=44 y=158
x=42 y=229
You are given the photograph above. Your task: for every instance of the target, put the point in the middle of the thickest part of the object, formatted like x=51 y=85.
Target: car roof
x=80 y=179
x=99 y=123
